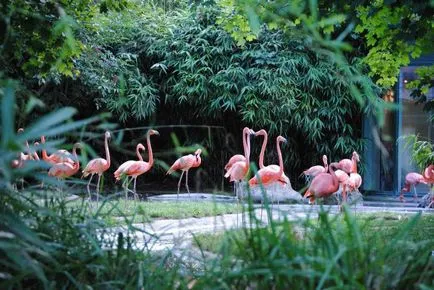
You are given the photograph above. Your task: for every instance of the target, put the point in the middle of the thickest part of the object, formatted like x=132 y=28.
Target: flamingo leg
x=179 y=183
x=186 y=183
x=415 y=192
x=97 y=188
x=88 y=187
x=125 y=185
x=135 y=193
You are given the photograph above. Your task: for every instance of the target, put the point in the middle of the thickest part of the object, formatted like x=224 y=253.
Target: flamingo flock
x=325 y=180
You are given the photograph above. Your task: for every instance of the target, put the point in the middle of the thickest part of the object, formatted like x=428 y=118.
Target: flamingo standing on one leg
x=185 y=163
x=317 y=169
x=412 y=178
x=65 y=169
x=350 y=165
x=238 y=171
x=98 y=166
x=284 y=179
x=238 y=157
x=323 y=185
x=268 y=174
x=135 y=168
x=59 y=156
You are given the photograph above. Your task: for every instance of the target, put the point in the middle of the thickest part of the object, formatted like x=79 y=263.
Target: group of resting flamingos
x=325 y=179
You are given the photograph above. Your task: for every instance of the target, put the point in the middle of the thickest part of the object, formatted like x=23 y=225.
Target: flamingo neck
x=333 y=174
x=76 y=165
x=279 y=153
x=247 y=152
x=107 y=152
x=427 y=174
x=261 y=155
x=44 y=152
x=354 y=165
x=150 y=155
x=244 y=143
x=138 y=153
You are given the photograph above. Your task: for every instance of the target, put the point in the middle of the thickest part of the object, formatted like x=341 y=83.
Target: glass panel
x=413 y=121
x=388 y=139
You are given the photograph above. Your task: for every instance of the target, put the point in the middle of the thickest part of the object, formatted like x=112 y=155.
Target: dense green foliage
x=422 y=151
x=387 y=34
x=275 y=82
x=422 y=86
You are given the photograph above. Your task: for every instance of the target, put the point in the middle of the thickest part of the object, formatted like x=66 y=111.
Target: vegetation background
x=178 y=62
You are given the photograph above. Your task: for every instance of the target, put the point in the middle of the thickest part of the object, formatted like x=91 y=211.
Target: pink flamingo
x=135 y=168
x=268 y=174
x=120 y=171
x=65 y=169
x=343 y=178
x=238 y=157
x=98 y=166
x=317 y=169
x=60 y=156
x=284 y=179
x=323 y=185
x=428 y=174
x=354 y=181
x=412 y=178
x=22 y=158
x=350 y=165
x=238 y=171
x=184 y=164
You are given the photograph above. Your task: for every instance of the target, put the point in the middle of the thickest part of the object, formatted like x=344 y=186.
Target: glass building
x=386 y=157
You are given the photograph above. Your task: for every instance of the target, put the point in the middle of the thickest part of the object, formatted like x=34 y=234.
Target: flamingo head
x=356 y=156
x=107 y=134
x=324 y=159
x=20 y=130
x=335 y=165
x=153 y=132
x=261 y=132
x=281 y=139
x=197 y=152
x=78 y=146
x=141 y=147
x=247 y=130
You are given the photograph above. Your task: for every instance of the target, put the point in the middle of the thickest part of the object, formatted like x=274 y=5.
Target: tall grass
x=330 y=252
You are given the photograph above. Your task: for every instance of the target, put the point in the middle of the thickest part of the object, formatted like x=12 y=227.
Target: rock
x=425 y=200
x=275 y=193
x=71 y=197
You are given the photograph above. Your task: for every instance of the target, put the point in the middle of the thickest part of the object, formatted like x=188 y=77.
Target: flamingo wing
x=234 y=159
x=237 y=171
x=346 y=165
x=95 y=166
